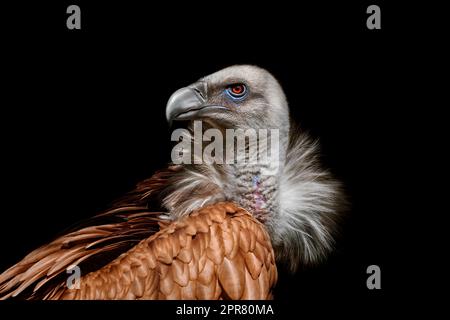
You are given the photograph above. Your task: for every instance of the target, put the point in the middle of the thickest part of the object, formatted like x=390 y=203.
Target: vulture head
x=239 y=97
x=294 y=197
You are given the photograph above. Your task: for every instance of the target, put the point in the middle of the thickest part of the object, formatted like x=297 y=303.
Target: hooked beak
x=189 y=103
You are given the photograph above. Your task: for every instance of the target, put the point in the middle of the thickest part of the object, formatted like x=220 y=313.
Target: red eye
x=237 y=90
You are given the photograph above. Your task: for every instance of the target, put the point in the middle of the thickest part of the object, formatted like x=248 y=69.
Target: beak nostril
x=184 y=101
x=199 y=93
x=200 y=89
x=187 y=102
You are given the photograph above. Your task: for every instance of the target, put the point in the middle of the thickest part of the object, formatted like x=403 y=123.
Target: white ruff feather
x=310 y=202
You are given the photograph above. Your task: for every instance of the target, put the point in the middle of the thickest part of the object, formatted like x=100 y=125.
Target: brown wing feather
x=217 y=252
x=91 y=244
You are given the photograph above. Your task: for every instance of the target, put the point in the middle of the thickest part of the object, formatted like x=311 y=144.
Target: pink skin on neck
x=258 y=196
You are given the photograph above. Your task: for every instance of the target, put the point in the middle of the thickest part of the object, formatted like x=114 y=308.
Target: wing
x=91 y=245
x=218 y=252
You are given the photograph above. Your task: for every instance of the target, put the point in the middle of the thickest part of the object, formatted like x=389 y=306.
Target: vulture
x=201 y=229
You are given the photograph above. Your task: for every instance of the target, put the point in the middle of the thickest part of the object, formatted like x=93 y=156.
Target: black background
x=83 y=118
